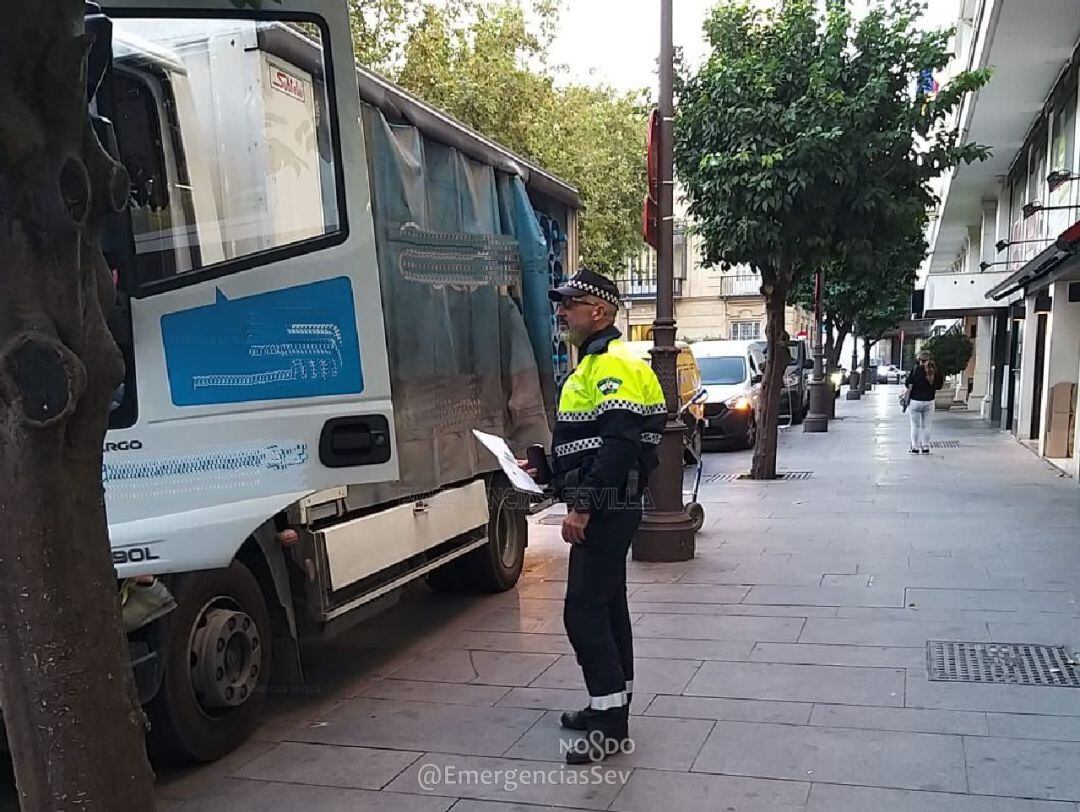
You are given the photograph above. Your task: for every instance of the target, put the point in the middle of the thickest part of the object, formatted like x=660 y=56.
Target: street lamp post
x=854 y=391
x=830 y=387
x=817 y=420
x=667 y=531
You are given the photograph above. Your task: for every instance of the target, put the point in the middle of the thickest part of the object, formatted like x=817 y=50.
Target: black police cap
x=586 y=283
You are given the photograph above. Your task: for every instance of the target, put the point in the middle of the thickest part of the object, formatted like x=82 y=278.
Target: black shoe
x=606 y=734
x=913 y=451
x=575 y=720
x=926 y=451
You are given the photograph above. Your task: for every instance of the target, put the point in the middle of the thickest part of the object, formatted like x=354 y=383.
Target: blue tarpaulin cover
x=463 y=270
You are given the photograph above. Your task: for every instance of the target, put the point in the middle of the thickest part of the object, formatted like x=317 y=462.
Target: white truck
x=323 y=286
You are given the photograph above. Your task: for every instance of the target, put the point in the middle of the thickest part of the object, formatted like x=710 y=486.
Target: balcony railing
x=643 y=286
x=740 y=285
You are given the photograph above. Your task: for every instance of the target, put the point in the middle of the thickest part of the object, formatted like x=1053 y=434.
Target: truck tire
x=497 y=565
x=216 y=649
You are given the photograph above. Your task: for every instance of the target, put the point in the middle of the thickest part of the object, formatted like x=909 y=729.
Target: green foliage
x=804 y=142
x=951 y=351
x=757 y=139
x=379 y=29
x=485 y=63
x=871 y=298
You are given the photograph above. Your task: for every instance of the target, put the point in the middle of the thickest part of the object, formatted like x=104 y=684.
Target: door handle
x=350 y=441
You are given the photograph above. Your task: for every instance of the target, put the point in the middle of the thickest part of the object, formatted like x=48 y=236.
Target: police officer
x=611 y=413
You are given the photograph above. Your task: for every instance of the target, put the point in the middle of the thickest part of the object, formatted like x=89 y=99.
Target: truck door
x=250 y=303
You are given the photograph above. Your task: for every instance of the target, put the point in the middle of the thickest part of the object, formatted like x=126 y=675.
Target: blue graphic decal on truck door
x=292 y=343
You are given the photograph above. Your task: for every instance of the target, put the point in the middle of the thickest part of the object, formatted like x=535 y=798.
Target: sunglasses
x=569 y=303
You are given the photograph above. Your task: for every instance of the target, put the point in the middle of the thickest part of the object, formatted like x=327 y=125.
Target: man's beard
x=578 y=335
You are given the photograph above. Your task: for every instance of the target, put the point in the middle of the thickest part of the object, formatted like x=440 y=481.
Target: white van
x=731 y=373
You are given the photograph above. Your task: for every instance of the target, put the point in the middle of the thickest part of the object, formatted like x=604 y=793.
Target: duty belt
x=633 y=488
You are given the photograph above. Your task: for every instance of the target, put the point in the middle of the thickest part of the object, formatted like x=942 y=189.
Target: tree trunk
x=842 y=332
x=74 y=727
x=764 y=464
x=829 y=342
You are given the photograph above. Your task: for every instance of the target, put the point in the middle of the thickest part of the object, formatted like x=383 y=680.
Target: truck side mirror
x=756 y=379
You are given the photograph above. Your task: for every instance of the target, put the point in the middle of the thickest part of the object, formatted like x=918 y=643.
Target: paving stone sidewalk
x=784 y=668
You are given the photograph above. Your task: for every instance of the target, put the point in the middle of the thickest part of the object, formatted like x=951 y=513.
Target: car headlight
x=739 y=403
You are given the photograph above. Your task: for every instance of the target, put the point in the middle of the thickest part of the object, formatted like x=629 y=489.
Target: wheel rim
x=506 y=536
x=225 y=655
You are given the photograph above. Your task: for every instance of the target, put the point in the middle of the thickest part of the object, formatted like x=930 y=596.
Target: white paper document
x=518 y=478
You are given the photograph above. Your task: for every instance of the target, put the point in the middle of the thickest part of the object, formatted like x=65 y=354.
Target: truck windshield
x=223 y=126
x=724 y=370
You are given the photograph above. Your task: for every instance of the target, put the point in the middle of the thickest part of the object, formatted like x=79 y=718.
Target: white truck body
x=254 y=440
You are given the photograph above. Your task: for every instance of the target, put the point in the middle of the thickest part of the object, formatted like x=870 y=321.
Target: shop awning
x=1039 y=272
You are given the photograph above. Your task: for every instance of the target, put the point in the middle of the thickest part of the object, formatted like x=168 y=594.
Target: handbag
x=905 y=400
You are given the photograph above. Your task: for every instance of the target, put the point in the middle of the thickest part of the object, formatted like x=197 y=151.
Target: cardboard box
x=1057 y=440
x=1063 y=398
x=1072 y=434
x=1060 y=427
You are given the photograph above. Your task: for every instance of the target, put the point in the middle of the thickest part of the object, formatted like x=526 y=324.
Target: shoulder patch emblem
x=609 y=386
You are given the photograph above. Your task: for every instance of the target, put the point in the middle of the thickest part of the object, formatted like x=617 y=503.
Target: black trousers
x=596 y=614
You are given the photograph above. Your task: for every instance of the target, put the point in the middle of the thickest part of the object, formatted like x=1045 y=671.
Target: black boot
x=575 y=720
x=606 y=732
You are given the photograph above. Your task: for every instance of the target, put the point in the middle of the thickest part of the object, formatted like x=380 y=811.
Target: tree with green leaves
x=485 y=63
x=380 y=29
x=865 y=288
x=806 y=134
x=883 y=314
x=951 y=350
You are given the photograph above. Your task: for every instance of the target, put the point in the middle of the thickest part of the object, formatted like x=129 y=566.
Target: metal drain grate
x=1002 y=663
x=945 y=444
x=712 y=479
x=785 y=475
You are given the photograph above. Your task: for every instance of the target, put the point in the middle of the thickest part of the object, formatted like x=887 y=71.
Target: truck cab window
x=223 y=126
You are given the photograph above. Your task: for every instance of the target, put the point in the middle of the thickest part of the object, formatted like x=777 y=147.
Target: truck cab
x=318 y=299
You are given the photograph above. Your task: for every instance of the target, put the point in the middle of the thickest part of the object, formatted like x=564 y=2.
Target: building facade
x=1004 y=242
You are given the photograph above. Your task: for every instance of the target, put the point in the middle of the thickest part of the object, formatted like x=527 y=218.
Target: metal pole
x=830 y=387
x=854 y=391
x=667 y=531
x=817 y=420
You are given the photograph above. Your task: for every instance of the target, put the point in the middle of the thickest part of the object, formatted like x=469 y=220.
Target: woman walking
x=922 y=382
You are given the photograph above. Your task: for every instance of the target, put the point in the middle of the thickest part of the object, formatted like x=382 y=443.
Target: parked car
x=890 y=374
x=689 y=381
x=795 y=395
x=731 y=375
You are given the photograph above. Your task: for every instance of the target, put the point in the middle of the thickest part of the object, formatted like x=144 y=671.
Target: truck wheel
x=216 y=653
x=496 y=566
